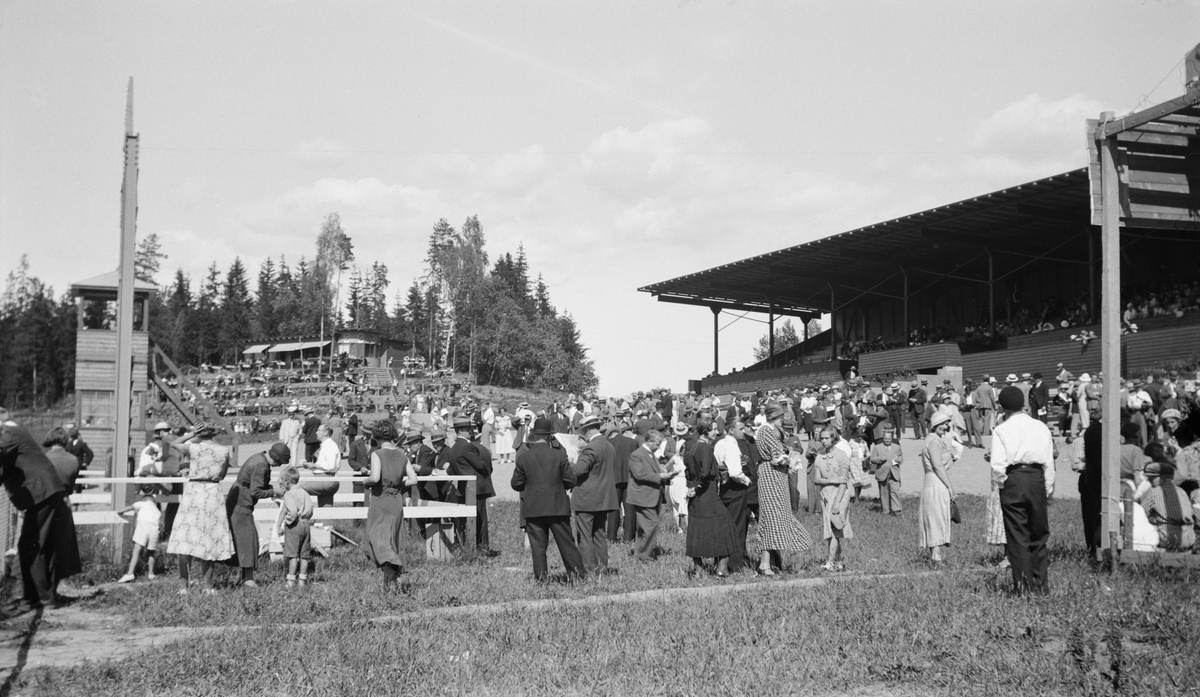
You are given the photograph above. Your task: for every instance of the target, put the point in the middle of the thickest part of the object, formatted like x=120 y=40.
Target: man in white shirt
x=327 y=462
x=1022 y=461
x=728 y=454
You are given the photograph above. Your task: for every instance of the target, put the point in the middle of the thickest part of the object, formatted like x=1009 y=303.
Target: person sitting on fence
x=295 y=518
x=146 y=529
x=1169 y=509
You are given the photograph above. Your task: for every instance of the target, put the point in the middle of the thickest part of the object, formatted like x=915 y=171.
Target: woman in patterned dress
x=391 y=475
x=936 y=494
x=778 y=529
x=201 y=531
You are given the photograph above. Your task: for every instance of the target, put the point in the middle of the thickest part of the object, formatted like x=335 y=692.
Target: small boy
x=295 y=518
x=146 y=528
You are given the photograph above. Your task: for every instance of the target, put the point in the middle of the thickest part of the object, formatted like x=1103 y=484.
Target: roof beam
x=1112 y=128
x=740 y=306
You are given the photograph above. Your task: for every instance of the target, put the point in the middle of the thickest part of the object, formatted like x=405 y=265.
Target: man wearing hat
x=291 y=431
x=1168 y=509
x=917 y=399
x=464 y=459
x=1039 y=398
x=543 y=475
x=1022 y=459
x=985 y=408
x=428 y=460
x=252 y=485
x=595 y=494
x=311 y=435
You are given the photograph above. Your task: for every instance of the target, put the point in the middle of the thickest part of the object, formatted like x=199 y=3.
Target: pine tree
x=207 y=320
x=148 y=258
x=236 y=313
x=265 y=312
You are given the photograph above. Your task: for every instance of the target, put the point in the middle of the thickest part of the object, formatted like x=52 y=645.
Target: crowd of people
x=593 y=471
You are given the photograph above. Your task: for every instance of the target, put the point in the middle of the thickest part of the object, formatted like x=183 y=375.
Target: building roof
x=1045 y=219
x=108 y=282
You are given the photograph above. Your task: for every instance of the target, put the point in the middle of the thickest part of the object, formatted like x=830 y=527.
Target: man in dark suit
x=78 y=448
x=646 y=482
x=917 y=399
x=311 y=435
x=466 y=460
x=47 y=547
x=624 y=444
x=1039 y=398
x=543 y=475
x=595 y=494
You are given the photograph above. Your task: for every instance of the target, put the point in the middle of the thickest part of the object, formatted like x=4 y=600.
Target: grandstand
x=998 y=283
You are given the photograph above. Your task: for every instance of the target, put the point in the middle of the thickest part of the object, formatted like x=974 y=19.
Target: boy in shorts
x=295 y=518
x=147 y=523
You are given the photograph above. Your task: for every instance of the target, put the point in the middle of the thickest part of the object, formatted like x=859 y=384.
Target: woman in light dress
x=934 y=516
x=201 y=530
x=504 y=437
x=832 y=473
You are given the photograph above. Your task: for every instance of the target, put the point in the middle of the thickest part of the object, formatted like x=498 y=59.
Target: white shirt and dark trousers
x=728 y=454
x=1023 y=467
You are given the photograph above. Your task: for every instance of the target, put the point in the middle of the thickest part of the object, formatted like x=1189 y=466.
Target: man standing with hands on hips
x=1022 y=459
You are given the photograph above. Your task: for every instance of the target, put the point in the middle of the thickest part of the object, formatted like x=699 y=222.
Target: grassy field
x=956 y=632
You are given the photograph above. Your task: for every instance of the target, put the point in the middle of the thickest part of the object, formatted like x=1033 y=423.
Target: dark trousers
x=614 y=518
x=806 y=421
x=310 y=451
x=794 y=491
x=1027 y=527
x=968 y=418
x=920 y=426
x=47 y=549
x=734 y=498
x=896 y=416
x=482 y=536
x=648 y=519
x=591 y=529
x=539 y=530
x=1090 y=503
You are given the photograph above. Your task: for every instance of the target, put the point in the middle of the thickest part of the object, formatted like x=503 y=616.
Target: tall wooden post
x=833 y=324
x=125 y=311
x=771 y=335
x=906 y=329
x=991 y=296
x=716 y=342
x=1110 y=342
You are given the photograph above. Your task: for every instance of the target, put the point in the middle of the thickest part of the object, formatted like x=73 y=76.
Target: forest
x=493 y=320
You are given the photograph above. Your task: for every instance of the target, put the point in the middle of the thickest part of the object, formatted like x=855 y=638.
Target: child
x=145 y=532
x=295 y=516
x=858 y=463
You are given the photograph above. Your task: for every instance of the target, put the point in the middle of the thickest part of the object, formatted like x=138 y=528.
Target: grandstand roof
x=1045 y=219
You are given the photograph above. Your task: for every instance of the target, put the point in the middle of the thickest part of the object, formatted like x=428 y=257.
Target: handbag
x=955 y=516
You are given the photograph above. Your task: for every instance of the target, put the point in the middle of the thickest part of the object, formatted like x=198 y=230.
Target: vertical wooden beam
x=833 y=324
x=1091 y=235
x=1110 y=343
x=991 y=296
x=906 y=329
x=770 y=334
x=716 y=342
x=125 y=309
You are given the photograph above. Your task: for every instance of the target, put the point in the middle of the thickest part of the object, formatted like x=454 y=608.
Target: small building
x=96 y=365
x=369 y=345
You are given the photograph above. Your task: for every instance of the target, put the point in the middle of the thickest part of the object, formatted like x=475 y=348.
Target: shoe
x=181 y=591
x=249 y=584
x=151 y=577
x=722 y=574
x=210 y=591
x=827 y=566
x=839 y=566
x=290 y=584
x=766 y=572
x=127 y=578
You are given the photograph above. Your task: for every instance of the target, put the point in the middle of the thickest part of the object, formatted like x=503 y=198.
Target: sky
x=623 y=143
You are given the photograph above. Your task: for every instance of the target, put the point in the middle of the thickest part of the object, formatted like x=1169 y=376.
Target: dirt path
x=70 y=637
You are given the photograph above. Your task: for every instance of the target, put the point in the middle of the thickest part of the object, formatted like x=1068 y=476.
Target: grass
x=956 y=632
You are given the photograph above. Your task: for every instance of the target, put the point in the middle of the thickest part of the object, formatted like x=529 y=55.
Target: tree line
x=494 y=321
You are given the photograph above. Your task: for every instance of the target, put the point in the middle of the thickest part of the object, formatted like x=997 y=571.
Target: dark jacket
x=645 y=482
x=1039 y=397
x=595 y=469
x=28 y=474
x=624 y=446
x=426 y=460
x=543 y=475
x=309 y=431
x=465 y=460
x=359 y=457
x=253 y=483
x=81 y=451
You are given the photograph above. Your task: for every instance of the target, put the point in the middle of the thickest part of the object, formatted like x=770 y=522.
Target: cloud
x=1037 y=125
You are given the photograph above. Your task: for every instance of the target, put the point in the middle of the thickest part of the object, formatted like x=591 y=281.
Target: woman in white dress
x=504 y=437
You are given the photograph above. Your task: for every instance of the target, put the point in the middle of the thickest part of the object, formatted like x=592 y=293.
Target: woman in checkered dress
x=778 y=529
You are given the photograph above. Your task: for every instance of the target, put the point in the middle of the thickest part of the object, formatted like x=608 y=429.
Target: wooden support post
x=1110 y=343
x=716 y=343
x=991 y=297
x=125 y=309
x=771 y=335
x=833 y=324
x=1091 y=235
x=906 y=329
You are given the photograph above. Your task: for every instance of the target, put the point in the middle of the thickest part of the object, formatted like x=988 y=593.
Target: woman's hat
x=542 y=427
x=680 y=429
x=774 y=411
x=281 y=453
x=938 y=419
x=1172 y=414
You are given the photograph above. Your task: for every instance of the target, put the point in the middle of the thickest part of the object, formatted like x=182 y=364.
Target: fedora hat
x=588 y=422
x=462 y=423
x=680 y=429
x=436 y=436
x=413 y=437
x=774 y=411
